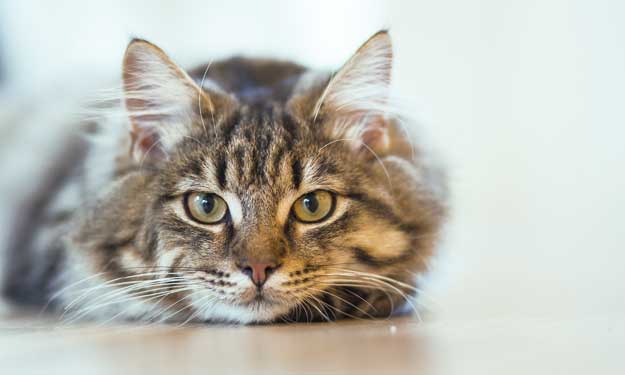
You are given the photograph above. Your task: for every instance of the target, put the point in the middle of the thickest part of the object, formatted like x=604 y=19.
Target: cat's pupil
x=208 y=203
x=311 y=203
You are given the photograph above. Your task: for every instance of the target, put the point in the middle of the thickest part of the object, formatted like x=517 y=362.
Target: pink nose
x=258 y=272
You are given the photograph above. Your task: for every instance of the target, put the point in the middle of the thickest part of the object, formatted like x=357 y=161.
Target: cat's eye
x=205 y=208
x=314 y=206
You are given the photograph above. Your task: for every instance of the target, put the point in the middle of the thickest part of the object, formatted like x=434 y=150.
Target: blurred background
x=523 y=99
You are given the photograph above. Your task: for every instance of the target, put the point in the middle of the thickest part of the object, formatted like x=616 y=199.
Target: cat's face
x=269 y=191
x=269 y=211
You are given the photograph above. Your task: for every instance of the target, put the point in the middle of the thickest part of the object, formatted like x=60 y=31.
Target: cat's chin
x=259 y=310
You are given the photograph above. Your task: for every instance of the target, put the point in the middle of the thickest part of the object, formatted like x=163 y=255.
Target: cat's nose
x=258 y=272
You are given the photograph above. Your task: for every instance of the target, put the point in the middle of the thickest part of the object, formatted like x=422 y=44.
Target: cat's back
x=252 y=80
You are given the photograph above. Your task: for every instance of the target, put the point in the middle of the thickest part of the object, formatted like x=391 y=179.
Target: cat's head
x=313 y=205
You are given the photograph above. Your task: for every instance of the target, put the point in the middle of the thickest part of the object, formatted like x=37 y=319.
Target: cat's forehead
x=260 y=127
x=261 y=150
x=259 y=146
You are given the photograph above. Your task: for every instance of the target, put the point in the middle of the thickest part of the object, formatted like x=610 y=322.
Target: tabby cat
x=245 y=191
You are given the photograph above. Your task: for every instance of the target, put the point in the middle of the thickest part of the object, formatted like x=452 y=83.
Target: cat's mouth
x=260 y=297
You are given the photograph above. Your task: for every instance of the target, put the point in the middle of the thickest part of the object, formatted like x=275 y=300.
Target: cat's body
x=135 y=227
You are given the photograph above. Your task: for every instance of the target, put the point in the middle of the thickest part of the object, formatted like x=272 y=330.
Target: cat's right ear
x=161 y=100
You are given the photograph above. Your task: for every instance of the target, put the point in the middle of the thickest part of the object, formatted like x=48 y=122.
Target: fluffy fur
x=259 y=134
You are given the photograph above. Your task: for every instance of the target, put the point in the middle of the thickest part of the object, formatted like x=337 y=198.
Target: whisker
x=379 y=280
x=375 y=155
x=112 y=284
x=373 y=275
x=199 y=102
x=326 y=305
x=64 y=289
x=82 y=312
x=165 y=318
x=109 y=283
x=344 y=301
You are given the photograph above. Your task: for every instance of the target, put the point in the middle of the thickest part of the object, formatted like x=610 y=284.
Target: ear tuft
x=363 y=82
x=160 y=98
x=356 y=100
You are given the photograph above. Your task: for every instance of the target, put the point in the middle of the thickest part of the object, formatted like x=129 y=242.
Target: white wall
x=527 y=99
x=49 y=41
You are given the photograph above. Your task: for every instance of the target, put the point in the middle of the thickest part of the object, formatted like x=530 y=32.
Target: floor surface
x=398 y=346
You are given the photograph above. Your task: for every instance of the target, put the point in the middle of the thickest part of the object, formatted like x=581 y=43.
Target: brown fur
x=256 y=139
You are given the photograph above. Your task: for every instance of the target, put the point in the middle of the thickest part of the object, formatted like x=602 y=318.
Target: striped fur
x=260 y=134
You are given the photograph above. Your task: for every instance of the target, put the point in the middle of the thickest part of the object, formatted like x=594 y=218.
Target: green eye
x=205 y=208
x=314 y=206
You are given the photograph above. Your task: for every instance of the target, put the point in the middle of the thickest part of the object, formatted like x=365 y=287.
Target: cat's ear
x=161 y=100
x=355 y=102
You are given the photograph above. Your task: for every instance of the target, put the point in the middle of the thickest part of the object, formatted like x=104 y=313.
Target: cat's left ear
x=162 y=101
x=355 y=102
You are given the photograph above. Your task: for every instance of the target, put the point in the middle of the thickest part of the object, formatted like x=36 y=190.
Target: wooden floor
x=398 y=346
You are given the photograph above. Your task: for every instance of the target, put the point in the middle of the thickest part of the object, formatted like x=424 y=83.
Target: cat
x=244 y=191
